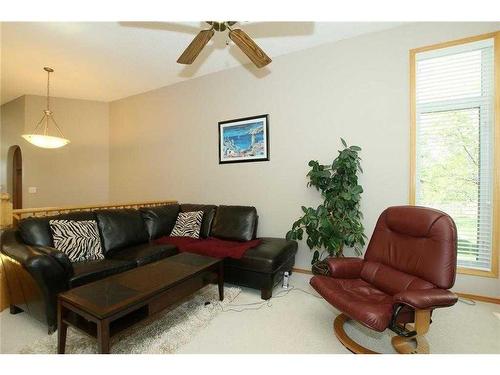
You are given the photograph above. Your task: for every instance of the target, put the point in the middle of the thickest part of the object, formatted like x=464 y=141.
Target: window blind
x=454 y=142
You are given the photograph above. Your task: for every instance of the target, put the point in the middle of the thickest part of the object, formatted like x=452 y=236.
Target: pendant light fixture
x=40 y=136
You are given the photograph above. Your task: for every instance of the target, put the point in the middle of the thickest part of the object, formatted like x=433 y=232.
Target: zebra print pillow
x=79 y=240
x=188 y=224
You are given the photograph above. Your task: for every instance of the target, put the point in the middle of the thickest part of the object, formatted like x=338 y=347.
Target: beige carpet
x=297 y=322
x=159 y=335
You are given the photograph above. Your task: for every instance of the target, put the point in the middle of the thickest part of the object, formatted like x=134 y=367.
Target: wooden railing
x=11 y=217
x=5 y=211
x=5 y=221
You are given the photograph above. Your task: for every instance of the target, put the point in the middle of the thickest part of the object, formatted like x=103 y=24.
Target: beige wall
x=12 y=117
x=75 y=174
x=164 y=142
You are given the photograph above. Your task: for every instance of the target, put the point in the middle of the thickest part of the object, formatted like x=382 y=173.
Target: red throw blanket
x=211 y=246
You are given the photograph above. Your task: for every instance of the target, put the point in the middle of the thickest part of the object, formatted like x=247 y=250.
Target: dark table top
x=105 y=297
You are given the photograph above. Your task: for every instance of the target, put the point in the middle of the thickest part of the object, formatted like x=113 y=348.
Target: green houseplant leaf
x=337 y=221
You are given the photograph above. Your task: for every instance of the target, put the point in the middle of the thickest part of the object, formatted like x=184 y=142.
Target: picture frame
x=244 y=140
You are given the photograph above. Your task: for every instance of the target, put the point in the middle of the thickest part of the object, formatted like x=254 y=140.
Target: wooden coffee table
x=108 y=306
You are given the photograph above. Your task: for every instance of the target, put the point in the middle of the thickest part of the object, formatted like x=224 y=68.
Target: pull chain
x=48 y=92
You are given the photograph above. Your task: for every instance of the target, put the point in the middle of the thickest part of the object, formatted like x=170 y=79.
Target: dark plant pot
x=321 y=268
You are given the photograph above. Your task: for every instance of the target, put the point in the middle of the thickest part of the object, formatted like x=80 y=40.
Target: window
x=453 y=143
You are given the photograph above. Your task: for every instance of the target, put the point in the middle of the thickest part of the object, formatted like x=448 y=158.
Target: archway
x=15 y=176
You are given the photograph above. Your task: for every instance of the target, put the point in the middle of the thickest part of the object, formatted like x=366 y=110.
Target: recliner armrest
x=345 y=268
x=426 y=298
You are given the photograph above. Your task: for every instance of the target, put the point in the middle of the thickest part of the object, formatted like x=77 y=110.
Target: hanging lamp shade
x=41 y=135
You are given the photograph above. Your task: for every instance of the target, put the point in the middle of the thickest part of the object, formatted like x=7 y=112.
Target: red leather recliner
x=408 y=266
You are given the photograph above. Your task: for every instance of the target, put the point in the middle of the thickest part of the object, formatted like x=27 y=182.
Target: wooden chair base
x=403 y=345
x=353 y=346
x=417 y=344
x=413 y=345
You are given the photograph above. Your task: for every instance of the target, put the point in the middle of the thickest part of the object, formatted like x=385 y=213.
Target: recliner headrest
x=412 y=220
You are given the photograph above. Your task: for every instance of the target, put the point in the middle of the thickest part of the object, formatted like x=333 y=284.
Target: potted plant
x=337 y=221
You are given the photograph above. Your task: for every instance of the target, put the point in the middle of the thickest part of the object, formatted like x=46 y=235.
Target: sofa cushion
x=213 y=247
x=145 y=253
x=35 y=231
x=79 y=240
x=178 y=242
x=208 y=215
x=188 y=224
x=217 y=248
x=87 y=272
x=235 y=223
x=160 y=220
x=266 y=257
x=121 y=228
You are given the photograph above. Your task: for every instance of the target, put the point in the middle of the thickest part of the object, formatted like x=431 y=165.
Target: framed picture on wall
x=244 y=140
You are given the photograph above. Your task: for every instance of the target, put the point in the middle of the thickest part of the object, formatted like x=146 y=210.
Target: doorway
x=17 y=179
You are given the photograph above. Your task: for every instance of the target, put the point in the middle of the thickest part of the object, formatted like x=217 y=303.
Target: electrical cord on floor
x=467 y=301
x=259 y=305
x=283 y=293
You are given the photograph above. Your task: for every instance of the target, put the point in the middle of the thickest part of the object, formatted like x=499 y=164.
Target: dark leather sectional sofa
x=36 y=272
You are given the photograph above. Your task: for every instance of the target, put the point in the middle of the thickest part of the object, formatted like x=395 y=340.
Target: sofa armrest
x=14 y=246
x=60 y=257
x=426 y=299
x=44 y=264
x=345 y=268
x=47 y=265
x=44 y=269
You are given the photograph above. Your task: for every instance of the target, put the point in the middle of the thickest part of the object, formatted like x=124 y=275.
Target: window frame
x=496 y=142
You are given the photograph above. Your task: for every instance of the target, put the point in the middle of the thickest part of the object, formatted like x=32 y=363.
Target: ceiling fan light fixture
x=238 y=36
x=40 y=136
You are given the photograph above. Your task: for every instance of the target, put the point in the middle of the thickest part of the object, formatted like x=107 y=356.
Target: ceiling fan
x=238 y=36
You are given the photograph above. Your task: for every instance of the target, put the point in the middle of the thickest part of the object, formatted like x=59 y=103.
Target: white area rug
x=160 y=335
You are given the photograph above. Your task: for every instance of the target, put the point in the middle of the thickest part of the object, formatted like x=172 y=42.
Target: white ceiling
x=111 y=60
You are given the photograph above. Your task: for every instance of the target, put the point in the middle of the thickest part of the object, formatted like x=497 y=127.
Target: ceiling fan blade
x=249 y=48
x=195 y=47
